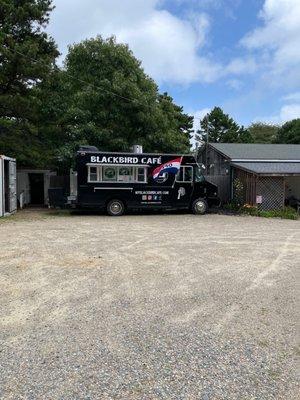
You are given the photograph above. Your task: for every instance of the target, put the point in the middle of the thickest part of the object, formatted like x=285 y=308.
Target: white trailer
x=8 y=186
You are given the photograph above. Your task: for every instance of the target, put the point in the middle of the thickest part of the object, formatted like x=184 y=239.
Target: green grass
x=285 y=213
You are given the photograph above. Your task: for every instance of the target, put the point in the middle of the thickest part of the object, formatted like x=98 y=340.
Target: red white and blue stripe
x=172 y=167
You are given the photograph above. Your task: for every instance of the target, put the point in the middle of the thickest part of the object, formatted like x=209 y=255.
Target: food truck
x=117 y=182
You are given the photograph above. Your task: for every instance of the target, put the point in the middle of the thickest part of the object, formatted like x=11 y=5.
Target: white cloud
x=276 y=43
x=286 y=113
x=235 y=84
x=240 y=66
x=290 y=111
x=169 y=47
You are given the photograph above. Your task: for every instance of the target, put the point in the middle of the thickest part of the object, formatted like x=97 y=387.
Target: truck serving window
x=109 y=174
x=93 y=174
x=141 y=174
x=185 y=174
x=125 y=174
x=117 y=173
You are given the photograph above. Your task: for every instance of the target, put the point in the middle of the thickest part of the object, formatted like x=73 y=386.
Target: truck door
x=183 y=186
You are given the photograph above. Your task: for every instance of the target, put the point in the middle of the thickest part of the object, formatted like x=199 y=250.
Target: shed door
x=12 y=186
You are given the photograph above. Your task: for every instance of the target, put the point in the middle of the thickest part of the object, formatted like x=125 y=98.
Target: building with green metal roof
x=268 y=174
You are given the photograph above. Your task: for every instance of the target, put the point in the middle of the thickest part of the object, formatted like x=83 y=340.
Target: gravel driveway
x=148 y=307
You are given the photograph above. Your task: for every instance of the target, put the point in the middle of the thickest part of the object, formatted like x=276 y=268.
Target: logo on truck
x=171 y=167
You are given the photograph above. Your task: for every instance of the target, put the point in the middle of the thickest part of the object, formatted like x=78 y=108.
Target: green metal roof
x=272 y=168
x=245 y=151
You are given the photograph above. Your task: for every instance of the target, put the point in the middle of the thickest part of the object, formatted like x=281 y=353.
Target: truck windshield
x=198 y=175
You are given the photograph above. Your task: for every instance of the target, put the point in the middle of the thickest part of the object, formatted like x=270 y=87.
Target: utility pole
x=206 y=150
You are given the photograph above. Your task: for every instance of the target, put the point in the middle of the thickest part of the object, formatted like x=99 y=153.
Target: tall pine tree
x=27 y=55
x=217 y=127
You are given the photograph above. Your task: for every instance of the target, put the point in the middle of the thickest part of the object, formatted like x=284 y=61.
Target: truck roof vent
x=88 y=148
x=137 y=149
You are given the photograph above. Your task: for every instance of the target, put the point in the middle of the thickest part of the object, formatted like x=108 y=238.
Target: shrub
x=238 y=192
x=231 y=207
x=248 y=209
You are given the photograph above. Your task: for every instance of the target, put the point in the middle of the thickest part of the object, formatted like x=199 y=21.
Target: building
x=33 y=185
x=8 y=191
x=264 y=175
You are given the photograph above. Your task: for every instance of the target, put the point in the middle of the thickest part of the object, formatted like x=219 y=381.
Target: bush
x=248 y=209
x=231 y=207
x=238 y=190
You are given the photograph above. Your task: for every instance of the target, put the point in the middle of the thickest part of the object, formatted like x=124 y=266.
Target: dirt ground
x=164 y=306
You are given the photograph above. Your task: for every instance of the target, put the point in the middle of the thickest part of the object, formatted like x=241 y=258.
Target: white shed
x=8 y=186
x=33 y=185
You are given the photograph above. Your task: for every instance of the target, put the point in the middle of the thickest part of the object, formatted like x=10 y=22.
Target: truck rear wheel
x=199 y=206
x=115 y=208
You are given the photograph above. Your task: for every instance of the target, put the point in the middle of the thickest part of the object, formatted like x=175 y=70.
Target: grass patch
x=285 y=213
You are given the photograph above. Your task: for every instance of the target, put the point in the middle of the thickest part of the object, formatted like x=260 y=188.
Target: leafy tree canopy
x=102 y=97
x=217 y=127
x=289 y=132
x=262 y=132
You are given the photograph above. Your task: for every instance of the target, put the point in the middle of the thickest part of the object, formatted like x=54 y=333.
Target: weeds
x=247 y=209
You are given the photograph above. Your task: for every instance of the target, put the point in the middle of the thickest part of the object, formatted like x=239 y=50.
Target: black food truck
x=117 y=182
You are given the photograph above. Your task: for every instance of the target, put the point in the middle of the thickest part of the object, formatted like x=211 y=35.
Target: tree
x=217 y=126
x=289 y=133
x=174 y=127
x=27 y=55
x=262 y=132
x=103 y=97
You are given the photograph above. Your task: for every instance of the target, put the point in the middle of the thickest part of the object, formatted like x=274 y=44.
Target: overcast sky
x=242 y=55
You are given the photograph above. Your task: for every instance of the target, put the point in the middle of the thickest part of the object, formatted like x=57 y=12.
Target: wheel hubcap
x=200 y=206
x=115 y=208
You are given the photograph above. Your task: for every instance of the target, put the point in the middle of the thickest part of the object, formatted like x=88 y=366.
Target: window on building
x=185 y=174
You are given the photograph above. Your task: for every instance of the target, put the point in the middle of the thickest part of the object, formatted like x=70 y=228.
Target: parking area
x=148 y=307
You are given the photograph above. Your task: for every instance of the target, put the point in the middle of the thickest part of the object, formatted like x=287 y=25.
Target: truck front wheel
x=115 y=208
x=199 y=206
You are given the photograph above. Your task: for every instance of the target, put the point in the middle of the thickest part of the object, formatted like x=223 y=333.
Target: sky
x=240 y=55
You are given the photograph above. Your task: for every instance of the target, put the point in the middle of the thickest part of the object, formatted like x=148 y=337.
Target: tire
x=199 y=206
x=115 y=208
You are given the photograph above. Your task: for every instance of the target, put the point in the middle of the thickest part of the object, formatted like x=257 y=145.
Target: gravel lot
x=148 y=307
